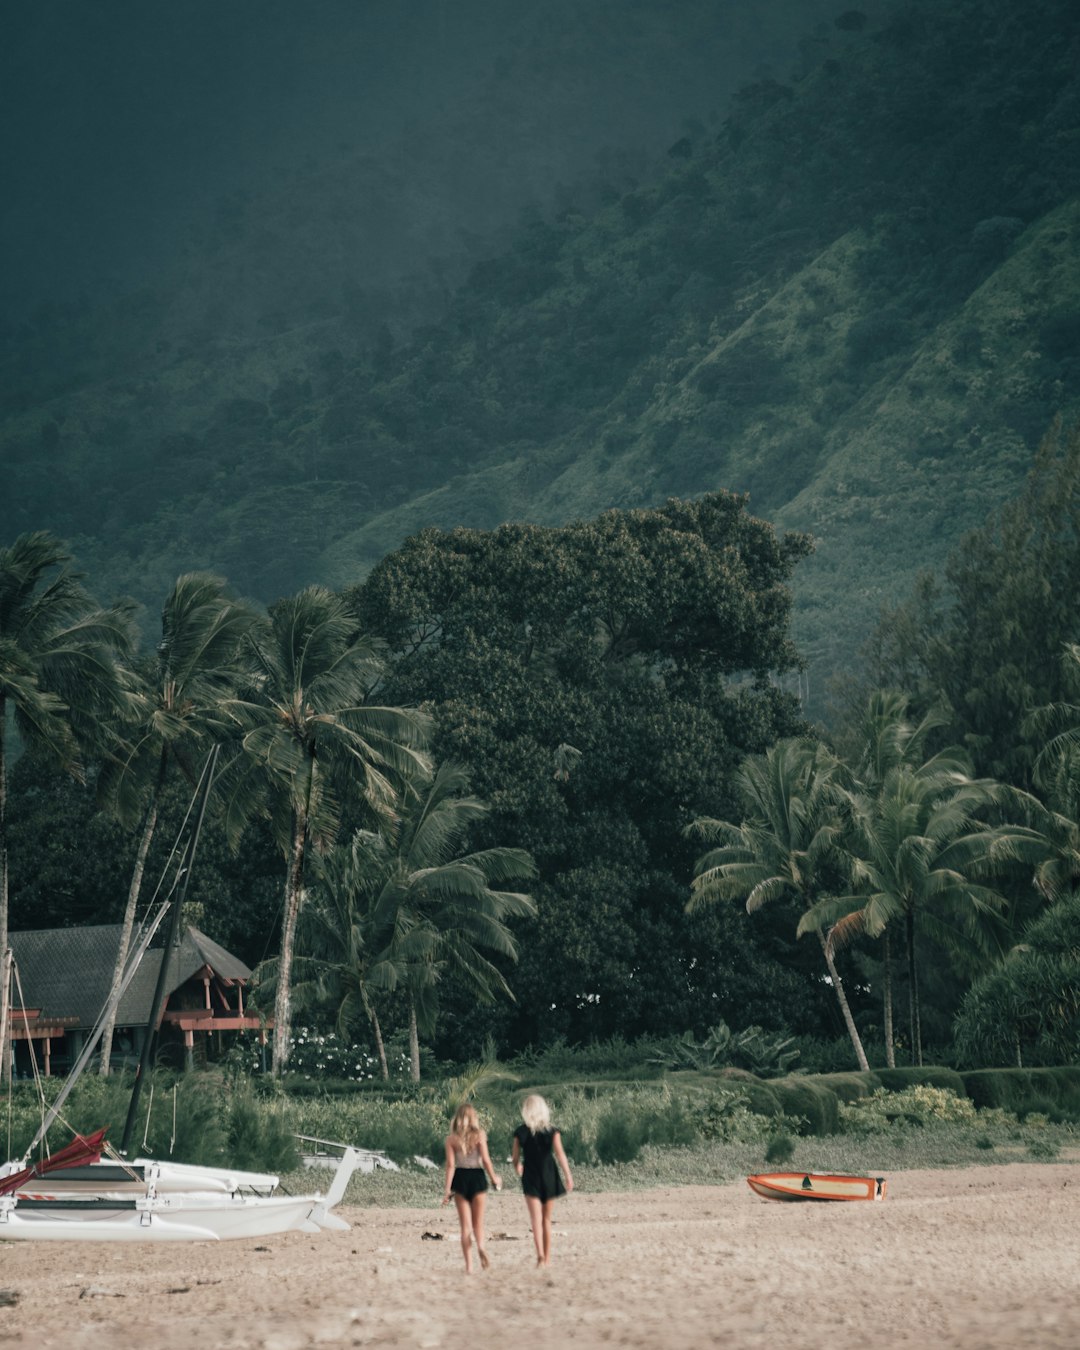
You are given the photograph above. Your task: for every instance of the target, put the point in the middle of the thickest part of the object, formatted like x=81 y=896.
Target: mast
x=6 y=1046
x=172 y=941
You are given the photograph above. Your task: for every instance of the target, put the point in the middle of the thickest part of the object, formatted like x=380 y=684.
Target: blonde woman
x=538 y=1156
x=468 y=1166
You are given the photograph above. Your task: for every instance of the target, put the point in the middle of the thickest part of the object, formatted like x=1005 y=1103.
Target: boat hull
x=108 y=1177
x=172 y=1216
x=816 y=1186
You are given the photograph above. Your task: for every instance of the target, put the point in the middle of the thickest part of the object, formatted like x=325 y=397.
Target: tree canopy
x=600 y=681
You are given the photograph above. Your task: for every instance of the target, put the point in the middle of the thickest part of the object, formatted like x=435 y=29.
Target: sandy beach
x=976 y=1257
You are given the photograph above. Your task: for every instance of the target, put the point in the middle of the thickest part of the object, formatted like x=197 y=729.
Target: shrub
x=618 y=1137
x=1029 y=1005
x=716 y=1114
x=818 y=1056
x=914 y=1105
x=752 y=1049
x=781 y=1149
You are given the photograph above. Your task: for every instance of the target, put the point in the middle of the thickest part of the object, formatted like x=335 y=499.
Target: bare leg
x=479 y=1203
x=464 y=1213
x=536 y=1218
x=549 y=1205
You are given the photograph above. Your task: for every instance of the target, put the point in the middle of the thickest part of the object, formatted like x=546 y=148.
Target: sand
x=975 y=1257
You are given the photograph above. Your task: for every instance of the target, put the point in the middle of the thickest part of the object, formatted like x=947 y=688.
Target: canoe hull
x=816 y=1186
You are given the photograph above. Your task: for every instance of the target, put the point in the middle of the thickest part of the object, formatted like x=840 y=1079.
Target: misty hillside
x=856 y=298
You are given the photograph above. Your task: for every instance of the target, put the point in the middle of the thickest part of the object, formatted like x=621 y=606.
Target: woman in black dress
x=468 y=1166
x=538 y=1156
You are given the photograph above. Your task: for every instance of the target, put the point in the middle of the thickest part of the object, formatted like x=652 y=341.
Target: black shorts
x=468 y=1182
x=543 y=1188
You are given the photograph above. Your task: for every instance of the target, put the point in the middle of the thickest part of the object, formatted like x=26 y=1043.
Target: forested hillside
x=856 y=299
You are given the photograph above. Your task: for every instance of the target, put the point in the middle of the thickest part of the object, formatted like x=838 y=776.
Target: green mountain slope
x=858 y=303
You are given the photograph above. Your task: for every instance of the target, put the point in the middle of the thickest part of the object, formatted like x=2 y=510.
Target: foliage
x=787 y=841
x=61 y=679
x=781 y=1149
x=259 y=1139
x=921 y=851
x=313 y=742
x=317 y=1054
x=914 y=1106
x=751 y=1049
x=618 y=638
x=1019 y=1090
x=1027 y=1009
x=178 y=709
x=988 y=645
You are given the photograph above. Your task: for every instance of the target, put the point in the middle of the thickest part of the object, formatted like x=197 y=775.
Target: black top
x=541 y=1175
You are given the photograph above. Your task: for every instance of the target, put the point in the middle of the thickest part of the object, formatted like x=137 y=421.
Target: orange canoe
x=814 y=1186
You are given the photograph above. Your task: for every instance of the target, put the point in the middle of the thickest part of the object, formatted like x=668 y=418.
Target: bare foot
x=483 y=1257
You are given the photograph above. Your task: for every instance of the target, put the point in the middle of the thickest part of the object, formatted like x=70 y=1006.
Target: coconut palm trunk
x=376 y=1029
x=890 y=1047
x=149 y=826
x=841 y=997
x=913 y=991
x=294 y=891
x=414 y=1043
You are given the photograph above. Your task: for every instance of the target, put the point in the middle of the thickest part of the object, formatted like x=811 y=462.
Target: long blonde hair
x=466 y=1126
x=536 y=1113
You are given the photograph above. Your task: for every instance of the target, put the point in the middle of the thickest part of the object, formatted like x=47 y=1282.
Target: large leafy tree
x=314 y=741
x=182 y=692
x=62 y=681
x=600 y=681
x=783 y=847
x=987 y=643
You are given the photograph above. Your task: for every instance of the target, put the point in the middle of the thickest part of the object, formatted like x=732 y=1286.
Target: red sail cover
x=84 y=1148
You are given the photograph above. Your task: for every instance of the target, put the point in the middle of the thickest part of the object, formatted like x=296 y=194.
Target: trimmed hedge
x=817 y=1097
x=850 y=1086
x=1024 y=1090
x=817 y=1104
x=929 y=1075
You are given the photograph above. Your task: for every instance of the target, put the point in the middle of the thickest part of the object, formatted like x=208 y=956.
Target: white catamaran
x=77 y=1195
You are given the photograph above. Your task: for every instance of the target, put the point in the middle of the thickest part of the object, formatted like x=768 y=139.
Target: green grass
x=696 y=1127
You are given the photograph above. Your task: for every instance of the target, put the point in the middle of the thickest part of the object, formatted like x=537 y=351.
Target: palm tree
x=435 y=909
x=310 y=740
x=181 y=703
x=782 y=846
x=61 y=675
x=1057 y=775
x=1060 y=722
x=336 y=959
x=918 y=850
x=887 y=738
